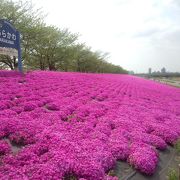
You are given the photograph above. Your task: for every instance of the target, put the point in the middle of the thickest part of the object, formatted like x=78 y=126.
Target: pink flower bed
x=79 y=125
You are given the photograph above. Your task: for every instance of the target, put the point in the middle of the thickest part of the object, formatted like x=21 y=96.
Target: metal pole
x=20 y=68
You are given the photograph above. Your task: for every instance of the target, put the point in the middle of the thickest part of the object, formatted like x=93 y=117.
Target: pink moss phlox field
x=4 y=148
x=73 y=125
x=143 y=157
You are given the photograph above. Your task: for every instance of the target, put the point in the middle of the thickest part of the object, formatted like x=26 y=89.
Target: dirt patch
x=14 y=147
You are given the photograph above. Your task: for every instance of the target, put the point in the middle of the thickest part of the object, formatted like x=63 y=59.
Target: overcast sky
x=138 y=34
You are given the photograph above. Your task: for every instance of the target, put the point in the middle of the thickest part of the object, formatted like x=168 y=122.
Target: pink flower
x=78 y=125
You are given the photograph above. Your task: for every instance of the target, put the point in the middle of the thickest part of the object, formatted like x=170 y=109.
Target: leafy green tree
x=23 y=16
x=48 y=47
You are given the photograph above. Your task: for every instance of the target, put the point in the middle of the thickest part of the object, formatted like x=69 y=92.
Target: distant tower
x=150 y=71
x=163 y=70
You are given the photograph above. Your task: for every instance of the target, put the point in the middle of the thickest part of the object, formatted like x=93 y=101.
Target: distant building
x=131 y=72
x=149 y=71
x=163 y=70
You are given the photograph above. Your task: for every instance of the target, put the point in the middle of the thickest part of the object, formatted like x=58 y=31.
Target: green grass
x=177 y=145
x=173 y=174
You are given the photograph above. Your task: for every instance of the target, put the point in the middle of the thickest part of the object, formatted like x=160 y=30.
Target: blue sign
x=10 y=41
x=8 y=35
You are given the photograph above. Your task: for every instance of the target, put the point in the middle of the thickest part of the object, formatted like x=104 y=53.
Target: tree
x=48 y=47
x=23 y=16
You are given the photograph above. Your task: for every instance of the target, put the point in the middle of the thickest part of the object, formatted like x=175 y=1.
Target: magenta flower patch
x=73 y=125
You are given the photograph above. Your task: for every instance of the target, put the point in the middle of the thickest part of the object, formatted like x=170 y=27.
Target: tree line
x=48 y=47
